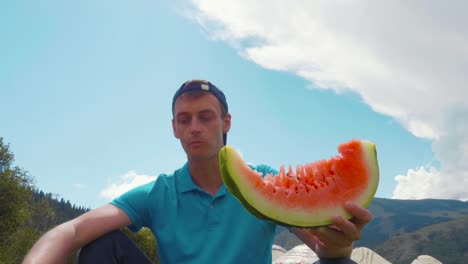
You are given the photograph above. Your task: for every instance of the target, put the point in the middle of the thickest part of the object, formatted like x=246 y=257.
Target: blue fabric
x=112 y=248
x=335 y=261
x=191 y=226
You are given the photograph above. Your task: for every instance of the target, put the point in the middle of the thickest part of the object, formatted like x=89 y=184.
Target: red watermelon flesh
x=312 y=193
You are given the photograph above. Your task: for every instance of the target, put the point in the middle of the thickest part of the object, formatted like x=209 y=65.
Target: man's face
x=199 y=126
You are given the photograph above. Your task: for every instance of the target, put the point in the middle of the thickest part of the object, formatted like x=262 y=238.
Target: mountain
x=394 y=218
x=446 y=241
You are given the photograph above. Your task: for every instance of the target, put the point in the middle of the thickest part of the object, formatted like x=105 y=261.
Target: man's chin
x=200 y=155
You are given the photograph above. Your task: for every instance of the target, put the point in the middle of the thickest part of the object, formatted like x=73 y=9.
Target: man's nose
x=195 y=126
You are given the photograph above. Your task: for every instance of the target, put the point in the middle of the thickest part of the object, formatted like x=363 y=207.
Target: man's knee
x=113 y=247
x=103 y=246
x=106 y=241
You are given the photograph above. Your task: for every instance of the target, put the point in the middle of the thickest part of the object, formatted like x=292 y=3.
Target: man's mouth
x=196 y=143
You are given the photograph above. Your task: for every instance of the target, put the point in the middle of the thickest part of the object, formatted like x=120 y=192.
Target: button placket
x=213 y=217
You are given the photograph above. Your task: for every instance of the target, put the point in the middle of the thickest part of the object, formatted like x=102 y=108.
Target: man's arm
x=61 y=241
x=336 y=241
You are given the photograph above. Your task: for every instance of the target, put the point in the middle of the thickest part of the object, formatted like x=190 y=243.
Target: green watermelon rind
x=370 y=153
x=228 y=157
x=232 y=188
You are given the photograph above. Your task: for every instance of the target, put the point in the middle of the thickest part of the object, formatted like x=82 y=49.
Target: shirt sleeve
x=145 y=204
x=134 y=204
x=265 y=169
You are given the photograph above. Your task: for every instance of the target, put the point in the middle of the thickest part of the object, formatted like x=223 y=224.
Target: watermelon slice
x=310 y=195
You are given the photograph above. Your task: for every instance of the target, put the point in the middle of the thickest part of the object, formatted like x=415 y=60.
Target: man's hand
x=336 y=240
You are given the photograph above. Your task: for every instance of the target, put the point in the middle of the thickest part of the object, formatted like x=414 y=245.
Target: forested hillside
x=447 y=241
x=401 y=230
x=26 y=213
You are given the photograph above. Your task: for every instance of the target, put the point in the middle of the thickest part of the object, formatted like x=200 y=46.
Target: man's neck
x=206 y=174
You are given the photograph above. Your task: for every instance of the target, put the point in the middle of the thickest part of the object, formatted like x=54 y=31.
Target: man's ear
x=176 y=135
x=227 y=123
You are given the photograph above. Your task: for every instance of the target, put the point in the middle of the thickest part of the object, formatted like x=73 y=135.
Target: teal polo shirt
x=191 y=226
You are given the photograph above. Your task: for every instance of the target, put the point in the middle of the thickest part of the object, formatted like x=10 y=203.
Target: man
x=194 y=218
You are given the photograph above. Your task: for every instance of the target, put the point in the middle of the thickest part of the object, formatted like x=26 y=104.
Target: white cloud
x=417 y=184
x=126 y=182
x=407 y=59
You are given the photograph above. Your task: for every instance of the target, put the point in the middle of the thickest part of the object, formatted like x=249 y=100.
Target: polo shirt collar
x=186 y=183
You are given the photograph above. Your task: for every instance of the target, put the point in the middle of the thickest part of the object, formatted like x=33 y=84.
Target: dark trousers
x=114 y=247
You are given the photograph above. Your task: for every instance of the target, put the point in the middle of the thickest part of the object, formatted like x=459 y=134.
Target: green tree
x=146 y=242
x=27 y=213
x=42 y=215
x=15 y=193
x=17 y=244
x=15 y=197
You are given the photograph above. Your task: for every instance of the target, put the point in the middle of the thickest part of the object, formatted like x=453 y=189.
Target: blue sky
x=86 y=88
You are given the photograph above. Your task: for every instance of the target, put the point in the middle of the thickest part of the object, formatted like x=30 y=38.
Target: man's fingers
x=348 y=228
x=341 y=233
x=345 y=232
x=330 y=236
x=361 y=216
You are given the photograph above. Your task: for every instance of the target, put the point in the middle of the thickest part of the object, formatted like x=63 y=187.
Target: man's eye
x=183 y=120
x=206 y=117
